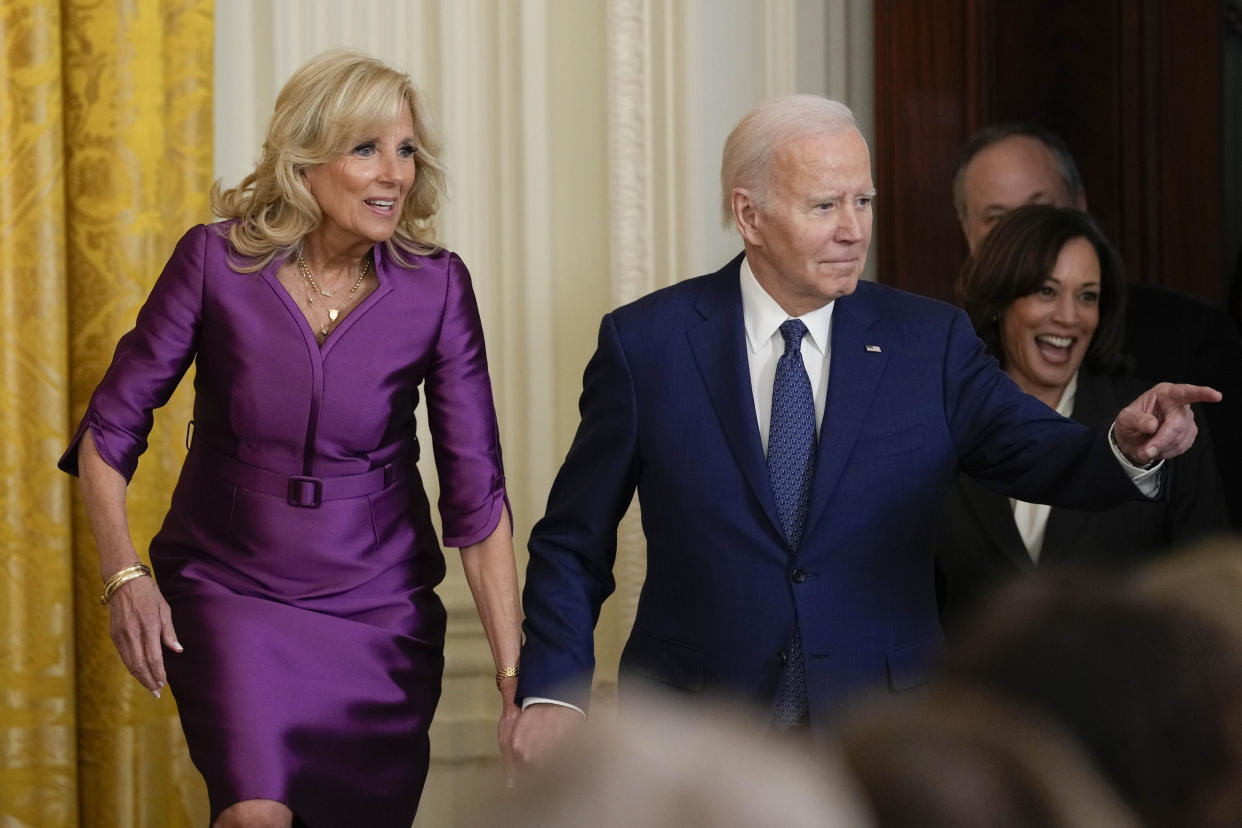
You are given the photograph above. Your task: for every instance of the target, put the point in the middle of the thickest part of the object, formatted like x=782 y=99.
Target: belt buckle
x=299 y=489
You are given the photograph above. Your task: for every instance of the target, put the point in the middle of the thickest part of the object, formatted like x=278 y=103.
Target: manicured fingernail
x=1151 y=451
x=155 y=693
x=177 y=646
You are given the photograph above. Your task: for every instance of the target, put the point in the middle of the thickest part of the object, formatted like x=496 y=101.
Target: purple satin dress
x=298 y=555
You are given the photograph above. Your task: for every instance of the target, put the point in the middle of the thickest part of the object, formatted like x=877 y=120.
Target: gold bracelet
x=507 y=672
x=120 y=580
x=121 y=577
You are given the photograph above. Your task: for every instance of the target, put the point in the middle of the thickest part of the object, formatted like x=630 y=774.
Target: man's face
x=1014 y=171
x=808 y=243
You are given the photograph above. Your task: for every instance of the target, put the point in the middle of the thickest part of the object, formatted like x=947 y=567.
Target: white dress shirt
x=1032 y=518
x=762 y=318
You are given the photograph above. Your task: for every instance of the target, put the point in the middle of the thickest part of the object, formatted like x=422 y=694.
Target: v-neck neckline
x=308 y=330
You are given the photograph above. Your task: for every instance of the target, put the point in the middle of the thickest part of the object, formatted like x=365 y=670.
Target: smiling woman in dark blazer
x=1045 y=293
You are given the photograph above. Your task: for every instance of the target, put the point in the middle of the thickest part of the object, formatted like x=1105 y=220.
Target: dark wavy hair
x=1019 y=255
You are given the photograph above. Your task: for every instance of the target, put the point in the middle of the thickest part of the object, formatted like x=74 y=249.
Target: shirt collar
x=1065 y=406
x=763 y=317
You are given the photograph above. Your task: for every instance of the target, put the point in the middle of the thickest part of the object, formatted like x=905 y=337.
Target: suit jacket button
x=798 y=576
x=781 y=657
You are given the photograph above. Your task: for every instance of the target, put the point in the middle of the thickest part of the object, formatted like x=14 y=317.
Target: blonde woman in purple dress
x=293 y=610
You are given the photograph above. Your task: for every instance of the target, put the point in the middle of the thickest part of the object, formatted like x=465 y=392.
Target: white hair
x=751 y=146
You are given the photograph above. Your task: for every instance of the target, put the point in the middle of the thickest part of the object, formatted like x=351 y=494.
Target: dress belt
x=299 y=490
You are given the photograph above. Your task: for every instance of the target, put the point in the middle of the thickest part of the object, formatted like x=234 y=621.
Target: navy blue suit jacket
x=666 y=407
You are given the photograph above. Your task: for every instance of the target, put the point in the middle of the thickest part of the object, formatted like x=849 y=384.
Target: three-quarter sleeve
x=462 y=416
x=148 y=363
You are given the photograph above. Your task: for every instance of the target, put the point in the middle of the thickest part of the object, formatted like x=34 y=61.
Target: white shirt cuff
x=529 y=700
x=1147 y=480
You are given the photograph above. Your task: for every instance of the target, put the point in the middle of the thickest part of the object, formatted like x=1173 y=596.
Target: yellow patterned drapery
x=105 y=159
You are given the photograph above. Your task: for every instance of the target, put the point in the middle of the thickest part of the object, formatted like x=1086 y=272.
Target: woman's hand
x=492 y=577
x=141 y=625
x=509 y=714
x=139 y=619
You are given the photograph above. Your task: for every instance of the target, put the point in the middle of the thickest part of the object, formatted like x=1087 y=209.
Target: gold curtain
x=105 y=159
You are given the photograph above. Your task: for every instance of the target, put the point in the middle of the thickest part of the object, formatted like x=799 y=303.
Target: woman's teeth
x=1055 y=341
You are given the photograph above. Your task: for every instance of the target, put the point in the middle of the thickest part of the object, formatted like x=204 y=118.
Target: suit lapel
x=853 y=377
x=994 y=516
x=719 y=348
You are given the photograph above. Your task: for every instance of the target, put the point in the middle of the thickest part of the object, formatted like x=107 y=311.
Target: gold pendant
x=332 y=313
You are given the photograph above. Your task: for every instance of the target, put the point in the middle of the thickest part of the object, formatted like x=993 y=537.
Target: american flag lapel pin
x=873 y=349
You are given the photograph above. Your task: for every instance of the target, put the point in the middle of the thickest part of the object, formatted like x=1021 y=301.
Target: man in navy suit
x=791 y=602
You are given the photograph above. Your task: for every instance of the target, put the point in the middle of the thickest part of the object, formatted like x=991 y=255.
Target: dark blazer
x=667 y=409
x=978 y=545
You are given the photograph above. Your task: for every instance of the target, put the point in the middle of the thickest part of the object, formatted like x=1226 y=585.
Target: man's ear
x=746 y=214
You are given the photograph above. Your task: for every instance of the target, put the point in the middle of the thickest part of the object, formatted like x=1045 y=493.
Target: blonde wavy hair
x=324 y=109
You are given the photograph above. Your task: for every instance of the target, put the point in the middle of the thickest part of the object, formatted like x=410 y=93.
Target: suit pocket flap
x=663 y=661
x=908 y=666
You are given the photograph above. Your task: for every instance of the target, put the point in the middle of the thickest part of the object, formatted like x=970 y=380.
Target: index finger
x=152 y=645
x=1184 y=394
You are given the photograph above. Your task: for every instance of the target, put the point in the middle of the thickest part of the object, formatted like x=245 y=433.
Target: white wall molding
x=630 y=139
x=780 y=50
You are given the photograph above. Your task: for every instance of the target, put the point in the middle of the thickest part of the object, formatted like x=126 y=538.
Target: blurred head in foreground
x=1149 y=691
x=960 y=758
x=1204 y=579
x=666 y=766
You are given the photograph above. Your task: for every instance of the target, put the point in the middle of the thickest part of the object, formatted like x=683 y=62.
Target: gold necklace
x=333 y=313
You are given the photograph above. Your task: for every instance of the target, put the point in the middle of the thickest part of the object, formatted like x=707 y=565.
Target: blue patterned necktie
x=791 y=459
